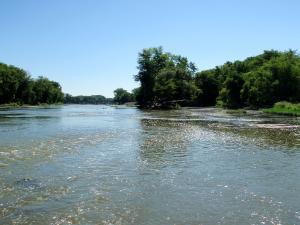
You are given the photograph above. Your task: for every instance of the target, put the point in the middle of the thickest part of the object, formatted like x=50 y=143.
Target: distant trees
x=93 y=99
x=16 y=86
x=122 y=96
x=256 y=82
x=46 y=91
x=167 y=80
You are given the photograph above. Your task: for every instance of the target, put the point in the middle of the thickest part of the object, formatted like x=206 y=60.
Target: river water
x=112 y=165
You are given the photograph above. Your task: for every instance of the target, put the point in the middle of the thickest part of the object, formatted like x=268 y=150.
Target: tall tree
x=150 y=62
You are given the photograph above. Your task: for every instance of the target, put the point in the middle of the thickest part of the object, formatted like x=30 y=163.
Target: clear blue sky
x=91 y=46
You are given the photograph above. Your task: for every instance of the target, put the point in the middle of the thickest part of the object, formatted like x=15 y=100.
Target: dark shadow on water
x=28 y=183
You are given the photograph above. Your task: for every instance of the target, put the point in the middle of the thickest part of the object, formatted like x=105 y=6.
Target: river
x=83 y=164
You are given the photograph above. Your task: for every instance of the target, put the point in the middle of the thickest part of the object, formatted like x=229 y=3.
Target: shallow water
x=105 y=165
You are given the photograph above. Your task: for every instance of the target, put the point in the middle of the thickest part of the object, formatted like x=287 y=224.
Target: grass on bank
x=284 y=108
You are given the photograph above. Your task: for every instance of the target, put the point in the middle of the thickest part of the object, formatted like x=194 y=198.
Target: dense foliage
x=164 y=79
x=167 y=80
x=122 y=96
x=16 y=86
x=93 y=99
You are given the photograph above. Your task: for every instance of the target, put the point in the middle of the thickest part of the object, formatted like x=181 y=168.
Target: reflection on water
x=105 y=165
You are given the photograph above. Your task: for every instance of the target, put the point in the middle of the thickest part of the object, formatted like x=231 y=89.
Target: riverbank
x=284 y=108
x=280 y=108
x=16 y=105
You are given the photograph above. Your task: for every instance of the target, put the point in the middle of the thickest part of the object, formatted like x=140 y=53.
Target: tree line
x=122 y=96
x=17 y=86
x=168 y=80
x=81 y=99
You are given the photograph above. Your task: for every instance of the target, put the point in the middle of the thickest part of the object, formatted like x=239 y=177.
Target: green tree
x=122 y=96
x=254 y=82
x=285 y=71
x=230 y=94
x=163 y=77
x=13 y=84
x=207 y=82
x=150 y=62
x=46 y=91
x=257 y=90
x=135 y=93
x=174 y=86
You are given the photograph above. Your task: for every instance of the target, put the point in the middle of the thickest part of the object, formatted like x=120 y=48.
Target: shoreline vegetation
x=20 y=106
x=18 y=88
x=269 y=82
x=92 y=99
x=284 y=108
x=169 y=81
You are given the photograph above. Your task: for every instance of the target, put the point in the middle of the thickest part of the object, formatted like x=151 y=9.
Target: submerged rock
x=28 y=183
